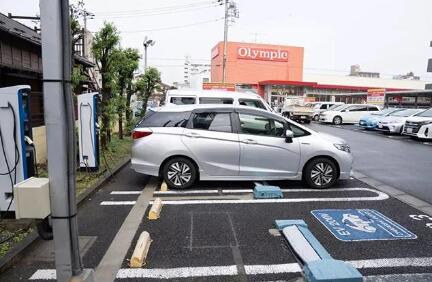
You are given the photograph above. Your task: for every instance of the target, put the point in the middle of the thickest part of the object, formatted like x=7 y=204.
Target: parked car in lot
x=189 y=97
x=370 y=121
x=394 y=122
x=420 y=125
x=295 y=109
x=320 y=107
x=347 y=114
x=184 y=144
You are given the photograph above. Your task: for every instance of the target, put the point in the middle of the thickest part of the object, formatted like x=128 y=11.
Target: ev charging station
x=17 y=155
x=88 y=131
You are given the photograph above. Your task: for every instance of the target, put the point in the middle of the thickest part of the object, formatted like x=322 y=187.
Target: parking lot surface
x=217 y=231
x=398 y=161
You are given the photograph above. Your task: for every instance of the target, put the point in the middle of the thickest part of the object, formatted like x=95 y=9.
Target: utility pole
x=59 y=119
x=147 y=42
x=86 y=14
x=225 y=42
x=231 y=12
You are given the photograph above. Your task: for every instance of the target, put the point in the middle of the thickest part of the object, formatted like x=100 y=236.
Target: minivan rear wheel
x=337 y=120
x=321 y=173
x=179 y=173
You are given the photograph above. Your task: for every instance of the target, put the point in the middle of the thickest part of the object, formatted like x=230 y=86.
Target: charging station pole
x=59 y=120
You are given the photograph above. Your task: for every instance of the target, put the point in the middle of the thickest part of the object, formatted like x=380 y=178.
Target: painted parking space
x=218 y=233
x=199 y=237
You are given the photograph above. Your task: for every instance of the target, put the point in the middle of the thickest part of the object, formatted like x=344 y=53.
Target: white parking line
x=117 y=203
x=181 y=272
x=392 y=262
x=380 y=196
x=272 y=268
x=230 y=270
x=125 y=192
x=186 y=192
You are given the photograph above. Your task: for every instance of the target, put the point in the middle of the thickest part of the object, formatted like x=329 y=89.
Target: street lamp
x=147 y=42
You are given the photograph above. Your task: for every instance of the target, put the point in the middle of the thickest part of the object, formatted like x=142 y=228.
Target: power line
x=172 y=27
x=159 y=9
x=157 y=13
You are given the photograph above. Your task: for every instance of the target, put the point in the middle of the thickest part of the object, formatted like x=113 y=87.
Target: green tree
x=126 y=62
x=147 y=84
x=104 y=48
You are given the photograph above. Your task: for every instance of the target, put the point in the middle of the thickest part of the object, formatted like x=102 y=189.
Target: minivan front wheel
x=179 y=173
x=320 y=173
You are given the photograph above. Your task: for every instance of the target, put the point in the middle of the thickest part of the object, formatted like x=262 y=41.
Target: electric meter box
x=32 y=198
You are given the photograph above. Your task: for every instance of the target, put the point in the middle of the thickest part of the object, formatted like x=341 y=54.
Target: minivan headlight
x=343 y=147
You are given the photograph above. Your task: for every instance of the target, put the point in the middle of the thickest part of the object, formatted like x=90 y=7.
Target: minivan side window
x=258 y=125
x=252 y=103
x=324 y=107
x=165 y=119
x=182 y=100
x=212 y=121
x=358 y=109
x=373 y=109
x=208 y=100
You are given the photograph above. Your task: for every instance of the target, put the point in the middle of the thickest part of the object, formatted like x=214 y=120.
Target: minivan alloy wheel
x=179 y=173
x=322 y=174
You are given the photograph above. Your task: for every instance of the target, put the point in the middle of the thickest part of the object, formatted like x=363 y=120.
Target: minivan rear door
x=210 y=138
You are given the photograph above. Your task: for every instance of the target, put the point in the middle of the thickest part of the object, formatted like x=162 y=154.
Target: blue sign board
x=361 y=225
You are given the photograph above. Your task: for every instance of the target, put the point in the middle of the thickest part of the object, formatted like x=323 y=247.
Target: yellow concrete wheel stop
x=155 y=210
x=141 y=250
x=164 y=186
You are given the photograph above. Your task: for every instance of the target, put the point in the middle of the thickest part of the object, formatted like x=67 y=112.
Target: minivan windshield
x=405 y=113
x=427 y=113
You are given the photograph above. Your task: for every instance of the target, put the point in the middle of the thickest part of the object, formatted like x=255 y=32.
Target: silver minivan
x=184 y=144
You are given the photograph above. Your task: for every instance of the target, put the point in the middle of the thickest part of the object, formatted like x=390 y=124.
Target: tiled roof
x=18 y=29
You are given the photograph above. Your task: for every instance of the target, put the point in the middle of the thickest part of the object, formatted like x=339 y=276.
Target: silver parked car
x=184 y=144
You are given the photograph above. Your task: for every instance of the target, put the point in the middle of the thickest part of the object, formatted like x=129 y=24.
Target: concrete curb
x=395 y=193
x=17 y=251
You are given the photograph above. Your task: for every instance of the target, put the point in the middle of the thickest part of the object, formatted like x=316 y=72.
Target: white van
x=350 y=113
x=187 y=97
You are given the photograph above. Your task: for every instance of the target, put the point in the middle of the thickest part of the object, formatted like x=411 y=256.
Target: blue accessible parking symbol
x=361 y=225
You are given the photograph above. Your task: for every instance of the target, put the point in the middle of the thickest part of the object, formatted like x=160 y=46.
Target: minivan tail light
x=140 y=134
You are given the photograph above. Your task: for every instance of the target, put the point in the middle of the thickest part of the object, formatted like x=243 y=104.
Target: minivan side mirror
x=289 y=135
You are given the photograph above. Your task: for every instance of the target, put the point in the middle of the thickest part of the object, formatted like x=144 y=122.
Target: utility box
x=32 y=198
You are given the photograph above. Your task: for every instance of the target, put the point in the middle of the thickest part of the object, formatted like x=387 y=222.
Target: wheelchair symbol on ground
x=361 y=225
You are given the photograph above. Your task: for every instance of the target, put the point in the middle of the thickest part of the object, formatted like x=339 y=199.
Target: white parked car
x=319 y=107
x=350 y=113
x=394 y=123
x=189 y=97
x=420 y=125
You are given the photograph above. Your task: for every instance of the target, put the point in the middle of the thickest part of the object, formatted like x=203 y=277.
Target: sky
x=387 y=36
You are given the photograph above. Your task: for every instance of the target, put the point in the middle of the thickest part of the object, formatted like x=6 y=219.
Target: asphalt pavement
x=398 y=161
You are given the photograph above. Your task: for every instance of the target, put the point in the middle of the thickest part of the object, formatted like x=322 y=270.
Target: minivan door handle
x=192 y=134
x=249 y=141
